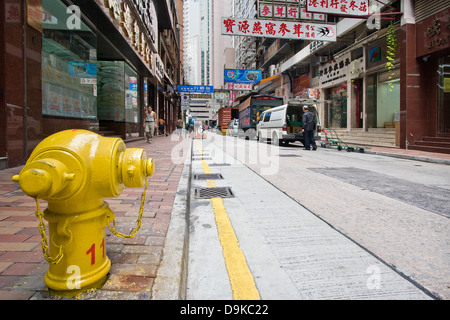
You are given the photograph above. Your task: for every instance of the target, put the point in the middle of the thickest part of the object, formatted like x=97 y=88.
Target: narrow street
x=318 y=224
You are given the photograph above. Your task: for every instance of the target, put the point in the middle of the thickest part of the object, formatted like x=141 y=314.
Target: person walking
x=308 y=120
x=191 y=127
x=149 y=124
x=180 y=127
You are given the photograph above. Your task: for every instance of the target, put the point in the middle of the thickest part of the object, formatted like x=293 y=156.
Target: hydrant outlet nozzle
x=150 y=167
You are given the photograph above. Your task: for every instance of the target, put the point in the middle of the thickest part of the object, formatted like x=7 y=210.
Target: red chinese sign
x=278 y=29
x=290 y=10
x=339 y=7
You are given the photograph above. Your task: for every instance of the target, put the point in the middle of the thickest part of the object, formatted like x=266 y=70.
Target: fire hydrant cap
x=35 y=182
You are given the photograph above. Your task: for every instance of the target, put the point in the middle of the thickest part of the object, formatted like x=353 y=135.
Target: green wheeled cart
x=332 y=140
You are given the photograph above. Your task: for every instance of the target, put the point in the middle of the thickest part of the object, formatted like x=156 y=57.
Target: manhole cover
x=207 y=176
x=208 y=193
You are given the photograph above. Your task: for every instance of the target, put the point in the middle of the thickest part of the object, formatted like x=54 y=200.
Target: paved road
x=313 y=225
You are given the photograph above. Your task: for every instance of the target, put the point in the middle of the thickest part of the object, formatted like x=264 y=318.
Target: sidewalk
x=432 y=157
x=134 y=261
x=140 y=269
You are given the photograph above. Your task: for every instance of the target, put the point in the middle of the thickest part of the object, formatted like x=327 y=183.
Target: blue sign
x=82 y=69
x=242 y=76
x=196 y=89
x=132 y=86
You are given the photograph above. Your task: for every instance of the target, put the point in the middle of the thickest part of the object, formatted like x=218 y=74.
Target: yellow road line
x=241 y=278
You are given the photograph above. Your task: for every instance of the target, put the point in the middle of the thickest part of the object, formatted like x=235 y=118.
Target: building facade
x=82 y=64
x=424 y=76
x=380 y=74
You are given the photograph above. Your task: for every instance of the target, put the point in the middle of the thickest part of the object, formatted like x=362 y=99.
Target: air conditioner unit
x=321 y=59
x=272 y=70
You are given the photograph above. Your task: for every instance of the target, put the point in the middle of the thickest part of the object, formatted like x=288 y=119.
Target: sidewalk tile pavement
x=134 y=261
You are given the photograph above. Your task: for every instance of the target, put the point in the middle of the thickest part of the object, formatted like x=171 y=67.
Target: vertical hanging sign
x=34 y=14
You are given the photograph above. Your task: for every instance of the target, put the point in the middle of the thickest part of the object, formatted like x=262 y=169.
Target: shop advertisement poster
x=242 y=76
x=82 y=69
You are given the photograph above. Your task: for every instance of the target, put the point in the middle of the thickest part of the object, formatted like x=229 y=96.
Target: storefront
x=433 y=50
x=339 y=82
x=425 y=93
x=383 y=84
x=69 y=64
x=87 y=75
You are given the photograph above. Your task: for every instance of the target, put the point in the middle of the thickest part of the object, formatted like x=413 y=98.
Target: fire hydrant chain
x=139 y=220
x=44 y=242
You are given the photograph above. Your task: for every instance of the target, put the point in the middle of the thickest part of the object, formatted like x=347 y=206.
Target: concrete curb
x=170 y=282
x=409 y=157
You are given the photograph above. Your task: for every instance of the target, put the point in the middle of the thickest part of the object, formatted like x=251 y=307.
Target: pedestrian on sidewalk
x=180 y=127
x=162 y=127
x=149 y=125
x=308 y=129
x=191 y=127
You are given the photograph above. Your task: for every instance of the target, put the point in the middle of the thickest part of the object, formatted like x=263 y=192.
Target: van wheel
x=275 y=140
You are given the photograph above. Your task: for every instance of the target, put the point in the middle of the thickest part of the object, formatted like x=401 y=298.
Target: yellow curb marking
x=241 y=278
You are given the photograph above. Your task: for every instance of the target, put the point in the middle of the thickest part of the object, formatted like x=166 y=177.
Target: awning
x=268 y=79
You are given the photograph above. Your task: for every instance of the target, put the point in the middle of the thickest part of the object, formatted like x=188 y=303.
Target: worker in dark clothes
x=308 y=129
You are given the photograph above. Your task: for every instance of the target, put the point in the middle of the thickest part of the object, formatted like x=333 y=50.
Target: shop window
x=69 y=69
x=338 y=106
x=388 y=99
x=118 y=98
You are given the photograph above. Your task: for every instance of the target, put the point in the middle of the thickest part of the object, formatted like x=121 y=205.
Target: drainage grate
x=207 y=176
x=289 y=155
x=201 y=158
x=219 y=164
x=208 y=193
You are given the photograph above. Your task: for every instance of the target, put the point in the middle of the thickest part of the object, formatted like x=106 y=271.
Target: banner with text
x=196 y=89
x=278 y=29
x=339 y=7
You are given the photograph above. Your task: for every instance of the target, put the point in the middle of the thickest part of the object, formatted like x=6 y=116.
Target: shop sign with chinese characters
x=433 y=33
x=339 y=7
x=287 y=10
x=339 y=70
x=278 y=29
x=195 y=89
x=240 y=86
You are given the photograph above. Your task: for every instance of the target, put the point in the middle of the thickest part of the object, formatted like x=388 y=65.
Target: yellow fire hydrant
x=74 y=170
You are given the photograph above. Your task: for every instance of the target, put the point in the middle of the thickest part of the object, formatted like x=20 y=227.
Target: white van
x=284 y=124
x=233 y=128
